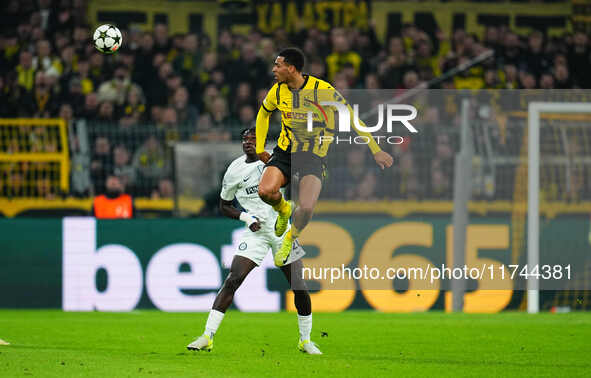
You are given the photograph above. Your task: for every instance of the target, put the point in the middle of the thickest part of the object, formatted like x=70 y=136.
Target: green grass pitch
x=355 y=343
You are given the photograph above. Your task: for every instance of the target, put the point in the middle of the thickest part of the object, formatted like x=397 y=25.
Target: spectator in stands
x=158 y=90
x=511 y=53
x=25 y=71
x=66 y=113
x=101 y=163
x=116 y=89
x=62 y=20
x=188 y=61
x=156 y=114
x=187 y=114
x=209 y=64
x=547 y=81
x=44 y=61
x=252 y=68
x=341 y=83
x=72 y=93
x=133 y=110
x=213 y=125
x=61 y=41
x=579 y=60
x=106 y=112
x=225 y=50
x=96 y=69
x=563 y=80
x=10 y=56
x=392 y=66
x=176 y=48
x=165 y=189
x=410 y=80
x=145 y=54
x=41 y=102
x=91 y=106
x=246 y=119
x=491 y=39
x=355 y=180
x=536 y=60
x=161 y=39
x=425 y=60
x=511 y=77
x=169 y=126
x=341 y=55
x=528 y=80
x=173 y=83
x=317 y=69
x=268 y=52
x=114 y=203
x=87 y=83
x=127 y=59
x=243 y=97
x=151 y=165
x=81 y=39
x=122 y=167
x=408 y=181
x=491 y=79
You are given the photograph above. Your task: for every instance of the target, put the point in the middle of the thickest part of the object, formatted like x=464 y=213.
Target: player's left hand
x=383 y=159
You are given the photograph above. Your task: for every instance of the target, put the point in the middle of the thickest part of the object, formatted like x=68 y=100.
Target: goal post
x=535 y=110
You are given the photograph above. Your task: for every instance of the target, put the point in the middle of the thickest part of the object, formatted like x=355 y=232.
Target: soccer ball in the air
x=107 y=39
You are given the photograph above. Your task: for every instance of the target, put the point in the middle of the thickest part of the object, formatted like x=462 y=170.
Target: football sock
x=213 y=322
x=305 y=325
x=282 y=207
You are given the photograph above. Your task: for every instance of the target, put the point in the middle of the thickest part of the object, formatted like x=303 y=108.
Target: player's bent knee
x=266 y=192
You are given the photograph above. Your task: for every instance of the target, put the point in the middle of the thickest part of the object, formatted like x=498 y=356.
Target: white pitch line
x=2 y=342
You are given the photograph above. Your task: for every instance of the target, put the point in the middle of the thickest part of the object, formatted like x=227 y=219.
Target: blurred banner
x=80 y=264
x=387 y=17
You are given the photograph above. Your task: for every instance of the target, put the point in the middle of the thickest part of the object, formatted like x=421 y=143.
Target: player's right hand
x=264 y=156
x=255 y=226
x=252 y=223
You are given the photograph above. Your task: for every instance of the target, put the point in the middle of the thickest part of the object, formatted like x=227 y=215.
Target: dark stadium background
x=196 y=71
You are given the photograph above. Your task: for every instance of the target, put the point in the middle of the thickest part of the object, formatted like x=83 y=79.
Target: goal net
x=559 y=193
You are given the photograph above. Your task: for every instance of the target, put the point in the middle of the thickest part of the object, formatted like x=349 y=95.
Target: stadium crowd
x=161 y=87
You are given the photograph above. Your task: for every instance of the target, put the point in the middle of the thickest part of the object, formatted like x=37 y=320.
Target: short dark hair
x=294 y=56
x=250 y=130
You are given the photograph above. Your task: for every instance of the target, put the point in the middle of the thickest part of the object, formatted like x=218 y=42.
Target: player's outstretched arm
x=227 y=209
x=382 y=158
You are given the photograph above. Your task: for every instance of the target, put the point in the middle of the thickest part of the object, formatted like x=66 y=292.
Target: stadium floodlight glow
x=535 y=110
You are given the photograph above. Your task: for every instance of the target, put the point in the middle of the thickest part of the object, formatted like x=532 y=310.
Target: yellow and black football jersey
x=294 y=106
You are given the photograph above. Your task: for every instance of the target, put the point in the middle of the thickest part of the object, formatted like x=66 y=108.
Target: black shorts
x=298 y=163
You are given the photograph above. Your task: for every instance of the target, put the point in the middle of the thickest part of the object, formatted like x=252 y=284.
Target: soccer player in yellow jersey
x=296 y=144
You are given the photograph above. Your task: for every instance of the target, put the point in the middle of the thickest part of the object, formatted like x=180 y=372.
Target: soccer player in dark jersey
x=296 y=145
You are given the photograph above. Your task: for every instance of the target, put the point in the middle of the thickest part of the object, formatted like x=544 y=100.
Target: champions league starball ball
x=107 y=39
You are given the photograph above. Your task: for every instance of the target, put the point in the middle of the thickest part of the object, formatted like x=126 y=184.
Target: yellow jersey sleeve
x=262 y=123
x=270 y=101
x=334 y=94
